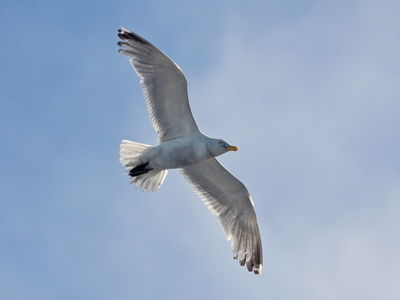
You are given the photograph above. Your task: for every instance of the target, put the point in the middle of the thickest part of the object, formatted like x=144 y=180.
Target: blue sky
x=309 y=92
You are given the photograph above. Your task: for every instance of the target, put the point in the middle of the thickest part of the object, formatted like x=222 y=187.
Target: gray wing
x=228 y=198
x=164 y=87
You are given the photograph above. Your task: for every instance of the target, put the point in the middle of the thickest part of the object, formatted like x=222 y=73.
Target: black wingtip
x=255 y=263
x=257 y=270
x=125 y=34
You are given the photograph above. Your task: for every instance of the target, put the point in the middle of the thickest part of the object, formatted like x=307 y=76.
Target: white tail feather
x=150 y=181
x=130 y=157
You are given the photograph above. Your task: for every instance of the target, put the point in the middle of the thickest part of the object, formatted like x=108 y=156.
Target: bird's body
x=182 y=146
x=182 y=152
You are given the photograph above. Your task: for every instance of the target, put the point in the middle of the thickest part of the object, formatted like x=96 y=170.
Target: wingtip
x=124 y=33
x=251 y=265
x=123 y=29
x=258 y=270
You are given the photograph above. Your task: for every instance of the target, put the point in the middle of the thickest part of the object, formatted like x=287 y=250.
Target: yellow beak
x=232 y=148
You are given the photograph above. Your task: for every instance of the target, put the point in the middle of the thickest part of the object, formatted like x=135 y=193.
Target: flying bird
x=182 y=146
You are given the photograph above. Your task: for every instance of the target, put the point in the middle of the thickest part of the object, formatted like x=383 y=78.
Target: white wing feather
x=229 y=199
x=164 y=87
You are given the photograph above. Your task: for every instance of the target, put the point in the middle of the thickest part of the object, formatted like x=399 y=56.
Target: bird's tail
x=141 y=175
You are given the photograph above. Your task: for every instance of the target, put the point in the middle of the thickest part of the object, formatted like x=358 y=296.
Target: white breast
x=180 y=152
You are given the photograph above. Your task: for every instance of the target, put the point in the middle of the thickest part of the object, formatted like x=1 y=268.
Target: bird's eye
x=220 y=142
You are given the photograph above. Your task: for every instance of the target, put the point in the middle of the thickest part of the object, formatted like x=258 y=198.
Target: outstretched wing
x=228 y=198
x=164 y=87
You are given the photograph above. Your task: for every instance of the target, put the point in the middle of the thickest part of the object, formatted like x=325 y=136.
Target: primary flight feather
x=182 y=146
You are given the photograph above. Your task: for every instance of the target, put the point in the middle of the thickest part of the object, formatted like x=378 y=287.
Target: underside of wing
x=164 y=87
x=229 y=199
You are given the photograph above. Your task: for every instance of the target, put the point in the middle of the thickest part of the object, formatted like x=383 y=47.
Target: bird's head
x=220 y=147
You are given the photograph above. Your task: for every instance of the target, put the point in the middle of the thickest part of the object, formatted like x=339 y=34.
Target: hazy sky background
x=308 y=90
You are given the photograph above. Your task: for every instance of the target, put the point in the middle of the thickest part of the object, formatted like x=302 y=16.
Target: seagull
x=182 y=146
